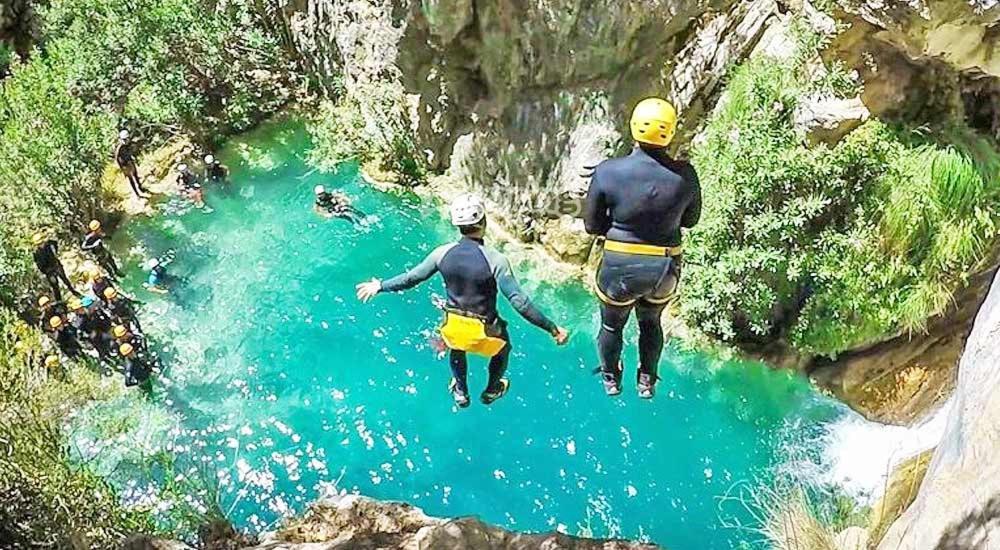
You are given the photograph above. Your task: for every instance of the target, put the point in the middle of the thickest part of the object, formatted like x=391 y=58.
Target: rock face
x=958 y=505
x=901 y=379
x=495 y=75
x=353 y=522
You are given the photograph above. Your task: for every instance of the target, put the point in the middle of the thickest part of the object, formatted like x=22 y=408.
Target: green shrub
x=47 y=502
x=367 y=125
x=830 y=248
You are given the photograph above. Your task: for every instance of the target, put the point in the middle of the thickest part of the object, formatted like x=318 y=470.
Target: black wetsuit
x=188 y=182
x=122 y=312
x=99 y=285
x=95 y=326
x=137 y=369
x=125 y=157
x=473 y=276
x=338 y=207
x=47 y=261
x=67 y=341
x=215 y=172
x=94 y=242
x=643 y=198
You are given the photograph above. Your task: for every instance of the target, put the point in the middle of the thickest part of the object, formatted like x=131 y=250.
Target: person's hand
x=367 y=290
x=561 y=336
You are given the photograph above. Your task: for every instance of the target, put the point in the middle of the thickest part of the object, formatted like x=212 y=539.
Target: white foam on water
x=858 y=455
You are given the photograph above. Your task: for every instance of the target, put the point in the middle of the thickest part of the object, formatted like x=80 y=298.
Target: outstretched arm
x=420 y=273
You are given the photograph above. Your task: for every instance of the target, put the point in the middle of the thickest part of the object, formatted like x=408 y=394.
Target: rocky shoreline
x=353 y=522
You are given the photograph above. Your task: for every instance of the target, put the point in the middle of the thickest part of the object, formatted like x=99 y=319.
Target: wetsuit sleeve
x=693 y=212
x=510 y=288
x=420 y=273
x=596 y=217
x=91 y=242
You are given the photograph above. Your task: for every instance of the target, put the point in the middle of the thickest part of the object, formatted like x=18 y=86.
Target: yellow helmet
x=118 y=331
x=44 y=301
x=51 y=361
x=126 y=349
x=56 y=322
x=38 y=238
x=654 y=122
x=75 y=304
x=94 y=225
x=110 y=292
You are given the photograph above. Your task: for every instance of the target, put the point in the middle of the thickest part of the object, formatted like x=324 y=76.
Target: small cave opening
x=981 y=102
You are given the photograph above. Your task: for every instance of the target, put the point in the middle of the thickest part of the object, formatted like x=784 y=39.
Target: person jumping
x=639 y=203
x=473 y=276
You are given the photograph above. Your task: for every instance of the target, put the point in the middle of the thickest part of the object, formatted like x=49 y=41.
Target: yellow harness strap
x=642 y=249
x=465 y=333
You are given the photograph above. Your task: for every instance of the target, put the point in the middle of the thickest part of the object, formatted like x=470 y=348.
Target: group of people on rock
x=637 y=204
x=101 y=320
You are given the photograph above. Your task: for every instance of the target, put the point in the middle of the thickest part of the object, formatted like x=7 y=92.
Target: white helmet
x=123 y=134
x=182 y=167
x=319 y=190
x=153 y=263
x=467 y=210
x=209 y=159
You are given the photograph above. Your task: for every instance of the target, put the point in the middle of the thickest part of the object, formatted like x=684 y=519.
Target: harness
x=466 y=331
x=642 y=249
x=638 y=250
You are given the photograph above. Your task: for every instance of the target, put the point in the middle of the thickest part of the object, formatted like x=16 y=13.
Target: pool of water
x=281 y=387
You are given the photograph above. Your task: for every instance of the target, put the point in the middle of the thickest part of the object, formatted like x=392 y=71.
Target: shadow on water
x=286 y=387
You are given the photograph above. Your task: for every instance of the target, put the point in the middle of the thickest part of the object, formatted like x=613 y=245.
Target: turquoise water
x=282 y=387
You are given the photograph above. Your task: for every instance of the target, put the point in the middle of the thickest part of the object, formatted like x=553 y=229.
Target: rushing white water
x=859 y=455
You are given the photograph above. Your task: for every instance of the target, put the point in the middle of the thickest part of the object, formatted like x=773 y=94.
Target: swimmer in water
x=336 y=205
x=157 y=278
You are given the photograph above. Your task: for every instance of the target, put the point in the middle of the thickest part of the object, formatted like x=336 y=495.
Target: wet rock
x=958 y=505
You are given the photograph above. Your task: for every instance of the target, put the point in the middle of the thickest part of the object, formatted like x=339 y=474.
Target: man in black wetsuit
x=47 y=260
x=125 y=157
x=639 y=203
x=473 y=276
x=336 y=205
x=215 y=171
x=93 y=242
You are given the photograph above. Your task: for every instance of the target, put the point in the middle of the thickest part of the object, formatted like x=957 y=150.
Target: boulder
x=825 y=119
x=355 y=522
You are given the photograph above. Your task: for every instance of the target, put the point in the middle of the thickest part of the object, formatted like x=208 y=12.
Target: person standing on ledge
x=473 y=275
x=639 y=203
x=125 y=157
x=93 y=242
x=47 y=260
